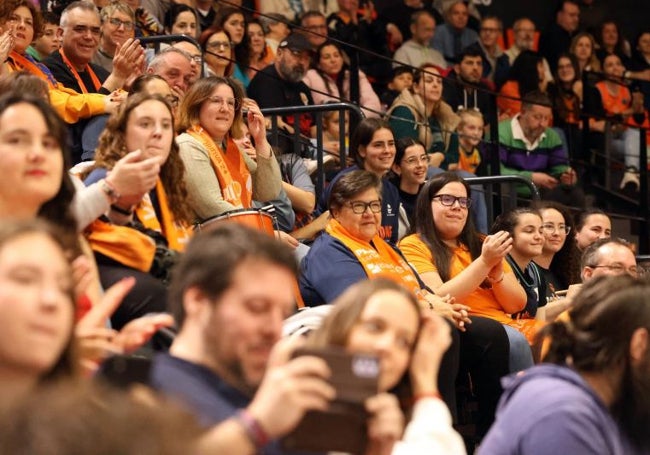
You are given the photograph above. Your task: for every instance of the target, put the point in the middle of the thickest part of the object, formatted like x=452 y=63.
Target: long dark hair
x=363 y=135
x=57 y=210
x=340 y=78
x=425 y=227
x=565 y=263
x=243 y=49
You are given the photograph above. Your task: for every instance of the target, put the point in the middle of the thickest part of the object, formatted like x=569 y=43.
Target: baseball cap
x=295 y=42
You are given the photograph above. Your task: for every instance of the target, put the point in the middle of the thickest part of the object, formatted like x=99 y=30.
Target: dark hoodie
x=550 y=409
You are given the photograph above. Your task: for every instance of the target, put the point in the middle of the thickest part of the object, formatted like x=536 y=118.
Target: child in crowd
x=402 y=79
x=470 y=133
x=49 y=41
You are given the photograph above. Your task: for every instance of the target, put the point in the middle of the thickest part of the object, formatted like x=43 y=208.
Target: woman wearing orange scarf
x=24 y=22
x=141 y=235
x=219 y=177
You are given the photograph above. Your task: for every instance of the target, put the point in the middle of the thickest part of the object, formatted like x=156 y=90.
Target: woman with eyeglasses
x=452 y=258
x=409 y=172
x=218 y=52
x=219 y=177
x=560 y=256
x=351 y=250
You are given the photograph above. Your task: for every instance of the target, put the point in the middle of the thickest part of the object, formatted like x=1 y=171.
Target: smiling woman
x=146 y=230
x=220 y=177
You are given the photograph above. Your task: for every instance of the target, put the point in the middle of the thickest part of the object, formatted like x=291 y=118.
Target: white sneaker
x=630 y=180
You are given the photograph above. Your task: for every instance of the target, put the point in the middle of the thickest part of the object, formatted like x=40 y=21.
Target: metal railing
x=299 y=141
x=499 y=200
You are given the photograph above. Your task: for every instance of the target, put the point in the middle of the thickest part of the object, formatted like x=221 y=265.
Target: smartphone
x=122 y=371
x=342 y=427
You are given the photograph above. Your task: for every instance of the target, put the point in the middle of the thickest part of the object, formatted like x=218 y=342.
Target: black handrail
x=513 y=180
x=274 y=112
x=157 y=39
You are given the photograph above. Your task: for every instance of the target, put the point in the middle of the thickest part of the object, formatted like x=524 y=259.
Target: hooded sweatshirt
x=550 y=409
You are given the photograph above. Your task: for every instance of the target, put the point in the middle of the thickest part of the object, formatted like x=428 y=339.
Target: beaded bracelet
x=253 y=429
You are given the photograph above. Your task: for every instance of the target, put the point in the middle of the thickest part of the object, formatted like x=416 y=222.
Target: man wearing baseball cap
x=280 y=85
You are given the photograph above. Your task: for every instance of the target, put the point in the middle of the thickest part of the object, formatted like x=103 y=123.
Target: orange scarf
x=177 y=235
x=378 y=259
x=123 y=244
x=74 y=72
x=237 y=193
x=19 y=62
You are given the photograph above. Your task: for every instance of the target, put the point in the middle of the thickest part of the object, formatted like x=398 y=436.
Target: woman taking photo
x=420 y=113
x=452 y=258
x=410 y=349
x=219 y=177
x=330 y=80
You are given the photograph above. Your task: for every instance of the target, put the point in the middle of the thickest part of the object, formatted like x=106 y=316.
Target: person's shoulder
x=100 y=71
x=54 y=62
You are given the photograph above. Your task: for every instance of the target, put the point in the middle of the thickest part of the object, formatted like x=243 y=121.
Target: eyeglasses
x=620 y=269
x=172 y=100
x=230 y=103
x=84 y=29
x=551 y=229
x=128 y=25
x=360 y=207
x=219 y=45
x=448 y=200
x=197 y=59
x=416 y=160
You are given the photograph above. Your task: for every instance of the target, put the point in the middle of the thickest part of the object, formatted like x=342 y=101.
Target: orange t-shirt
x=482 y=302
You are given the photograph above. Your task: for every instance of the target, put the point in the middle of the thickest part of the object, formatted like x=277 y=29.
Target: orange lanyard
x=25 y=63
x=90 y=71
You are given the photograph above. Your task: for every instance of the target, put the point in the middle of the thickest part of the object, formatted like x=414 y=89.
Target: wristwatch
x=108 y=189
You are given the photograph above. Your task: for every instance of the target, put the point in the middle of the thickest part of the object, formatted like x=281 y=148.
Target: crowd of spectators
x=118 y=153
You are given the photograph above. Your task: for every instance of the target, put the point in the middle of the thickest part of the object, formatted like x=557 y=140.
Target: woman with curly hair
x=559 y=257
x=142 y=234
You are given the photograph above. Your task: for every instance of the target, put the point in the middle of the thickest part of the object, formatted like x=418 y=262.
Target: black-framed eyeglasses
x=360 y=207
x=620 y=269
x=128 y=25
x=550 y=229
x=448 y=200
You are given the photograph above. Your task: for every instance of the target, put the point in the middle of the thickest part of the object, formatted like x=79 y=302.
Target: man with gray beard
x=280 y=85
